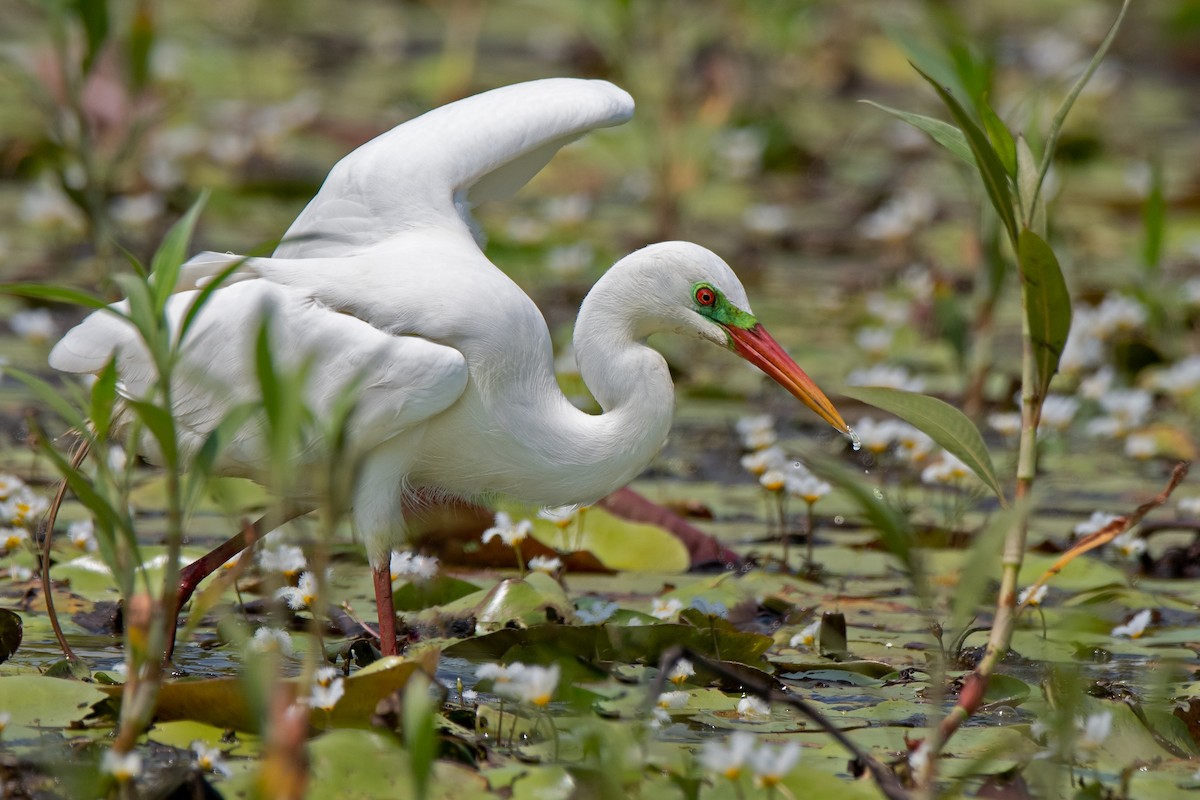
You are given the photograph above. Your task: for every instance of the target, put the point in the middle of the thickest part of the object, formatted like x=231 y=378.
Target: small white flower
x=23 y=507
x=773 y=480
x=772 y=764
x=808 y=488
x=874 y=341
x=887 y=377
x=1136 y=626
x=5 y=718
x=512 y=534
x=1189 y=506
x=1129 y=544
x=1141 y=446
x=728 y=758
x=122 y=767
x=1180 y=379
x=20 y=574
x=302 y=595
x=947 y=469
x=9 y=484
x=1098 y=521
x=756 y=432
x=753 y=708
x=1031 y=596
x=287 y=559
x=918 y=758
x=807 y=637
x=268 y=640
x=546 y=564
x=681 y=671
x=536 y=685
x=1095 y=729
x=13 y=538
x=760 y=461
x=34 y=325
x=82 y=535
x=1057 y=412
x=1098 y=383
x=210 y=759
x=413 y=566
x=665 y=609
x=469 y=696
x=1006 y=423
x=598 y=612
x=875 y=437
x=326 y=691
x=672 y=699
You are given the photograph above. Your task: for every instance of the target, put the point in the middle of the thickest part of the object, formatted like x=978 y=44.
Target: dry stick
x=884 y=778
x=81 y=451
x=975 y=684
x=1110 y=531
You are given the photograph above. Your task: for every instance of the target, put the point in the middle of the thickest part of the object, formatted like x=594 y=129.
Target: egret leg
x=386 y=609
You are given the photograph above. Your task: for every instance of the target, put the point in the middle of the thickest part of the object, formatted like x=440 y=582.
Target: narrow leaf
x=93 y=17
x=52 y=396
x=1154 y=220
x=991 y=170
x=53 y=294
x=1047 y=304
x=1033 y=207
x=1000 y=137
x=941 y=132
x=162 y=426
x=940 y=421
x=169 y=258
x=104 y=398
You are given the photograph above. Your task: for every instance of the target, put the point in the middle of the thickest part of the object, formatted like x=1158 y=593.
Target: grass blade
x=169 y=258
x=942 y=422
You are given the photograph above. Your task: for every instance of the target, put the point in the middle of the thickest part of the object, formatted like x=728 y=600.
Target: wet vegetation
x=975 y=224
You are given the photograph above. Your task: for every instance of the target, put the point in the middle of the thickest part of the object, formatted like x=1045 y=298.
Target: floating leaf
x=36 y=700
x=991 y=170
x=1047 y=305
x=939 y=420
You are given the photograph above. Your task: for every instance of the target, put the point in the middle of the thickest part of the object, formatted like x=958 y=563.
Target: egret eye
x=705 y=296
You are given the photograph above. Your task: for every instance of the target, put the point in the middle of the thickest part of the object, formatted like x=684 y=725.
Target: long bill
x=760 y=348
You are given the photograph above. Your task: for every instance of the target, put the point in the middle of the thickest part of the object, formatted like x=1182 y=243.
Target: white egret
x=381 y=287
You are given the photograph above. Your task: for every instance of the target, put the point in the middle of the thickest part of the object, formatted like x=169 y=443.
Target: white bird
x=381 y=287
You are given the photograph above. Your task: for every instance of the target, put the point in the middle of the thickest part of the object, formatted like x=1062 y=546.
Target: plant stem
x=81 y=451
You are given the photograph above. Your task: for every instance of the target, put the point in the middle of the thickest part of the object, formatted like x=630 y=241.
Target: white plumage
x=381 y=285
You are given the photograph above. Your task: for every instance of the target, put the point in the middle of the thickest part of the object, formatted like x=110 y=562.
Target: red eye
x=705 y=296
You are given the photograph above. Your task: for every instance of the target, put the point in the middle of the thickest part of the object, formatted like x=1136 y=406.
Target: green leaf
x=93 y=17
x=1154 y=220
x=52 y=396
x=104 y=398
x=1033 y=207
x=1000 y=137
x=169 y=258
x=1047 y=304
x=941 y=132
x=991 y=170
x=54 y=294
x=942 y=422
x=162 y=427
x=140 y=45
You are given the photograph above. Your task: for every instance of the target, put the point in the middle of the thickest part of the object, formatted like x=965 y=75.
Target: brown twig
x=884 y=778
x=81 y=451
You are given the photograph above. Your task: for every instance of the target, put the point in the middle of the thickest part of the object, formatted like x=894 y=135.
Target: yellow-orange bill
x=760 y=349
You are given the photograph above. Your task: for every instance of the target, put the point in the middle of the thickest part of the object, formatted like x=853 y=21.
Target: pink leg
x=386 y=609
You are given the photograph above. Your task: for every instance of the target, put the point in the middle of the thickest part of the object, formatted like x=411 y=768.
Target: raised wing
x=431 y=170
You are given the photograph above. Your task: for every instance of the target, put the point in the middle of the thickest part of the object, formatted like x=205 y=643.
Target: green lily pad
x=34 y=701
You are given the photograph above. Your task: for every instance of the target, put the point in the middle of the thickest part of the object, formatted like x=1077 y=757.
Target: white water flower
x=1136 y=626
x=33 y=325
x=1098 y=521
x=1141 y=446
x=1129 y=544
x=665 y=609
x=772 y=764
x=82 y=535
x=1095 y=729
x=1189 y=506
x=753 y=708
x=287 y=559
x=1181 y=378
x=23 y=507
x=1006 y=423
x=681 y=671
x=672 y=700
x=328 y=688
x=1057 y=412
x=9 y=484
x=268 y=640
x=210 y=759
x=559 y=515
x=808 y=488
x=1031 y=596
x=875 y=342
x=300 y=596
x=124 y=767
x=728 y=758
x=762 y=461
x=413 y=566
x=20 y=574
x=1118 y=314
x=887 y=377
x=757 y=432
x=13 y=538
x=597 y=613
x=946 y=470
x=807 y=637
x=546 y=564
x=918 y=758
x=534 y=684
x=509 y=532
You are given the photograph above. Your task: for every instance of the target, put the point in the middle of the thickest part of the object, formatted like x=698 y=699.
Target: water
x=855 y=442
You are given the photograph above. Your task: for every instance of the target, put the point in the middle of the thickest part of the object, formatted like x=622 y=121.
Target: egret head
x=691 y=290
